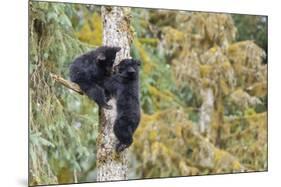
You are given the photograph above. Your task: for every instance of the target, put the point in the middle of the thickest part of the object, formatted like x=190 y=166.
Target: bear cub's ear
x=138 y=62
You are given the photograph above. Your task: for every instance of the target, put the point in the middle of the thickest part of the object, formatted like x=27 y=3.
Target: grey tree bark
x=206 y=111
x=116 y=32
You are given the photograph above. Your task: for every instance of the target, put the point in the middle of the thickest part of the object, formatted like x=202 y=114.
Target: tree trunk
x=206 y=111
x=116 y=32
x=219 y=107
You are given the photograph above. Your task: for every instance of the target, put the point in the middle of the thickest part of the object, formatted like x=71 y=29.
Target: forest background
x=203 y=93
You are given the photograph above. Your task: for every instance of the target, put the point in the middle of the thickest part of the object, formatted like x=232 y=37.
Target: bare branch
x=73 y=86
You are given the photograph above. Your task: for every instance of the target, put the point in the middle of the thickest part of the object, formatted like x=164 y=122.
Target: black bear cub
x=124 y=87
x=91 y=69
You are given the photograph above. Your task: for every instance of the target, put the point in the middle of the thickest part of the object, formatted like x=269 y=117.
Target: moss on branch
x=73 y=86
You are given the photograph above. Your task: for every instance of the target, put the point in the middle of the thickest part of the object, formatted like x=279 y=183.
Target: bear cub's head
x=128 y=69
x=105 y=57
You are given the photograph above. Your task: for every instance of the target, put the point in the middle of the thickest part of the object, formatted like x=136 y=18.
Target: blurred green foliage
x=63 y=125
x=252 y=28
x=182 y=54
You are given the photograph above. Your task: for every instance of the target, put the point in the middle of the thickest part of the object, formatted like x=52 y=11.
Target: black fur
x=124 y=86
x=91 y=69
